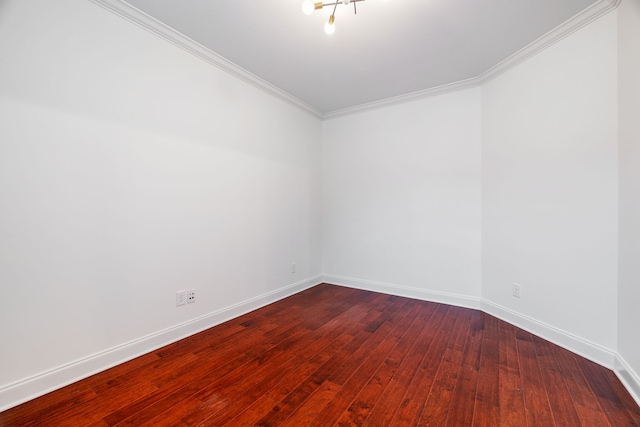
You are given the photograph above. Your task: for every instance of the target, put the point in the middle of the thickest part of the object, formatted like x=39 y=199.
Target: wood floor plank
x=321 y=355
x=243 y=393
x=332 y=412
x=170 y=416
x=511 y=392
x=321 y=340
x=301 y=393
x=253 y=412
x=151 y=371
x=385 y=409
x=624 y=395
x=309 y=410
x=292 y=381
x=461 y=411
x=123 y=369
x=487 y=405
x=31 y=413
x=96 y=409
x=436 y=408
x=562 y=405
x=419 y=388
x=587 y=406
x=536 y=399
x=408 y=328
x=609 y=401
x=355 y=350
x=379 y=328
x=202 y=387
x=188 y=382
x=99 y=423
x=333 y=355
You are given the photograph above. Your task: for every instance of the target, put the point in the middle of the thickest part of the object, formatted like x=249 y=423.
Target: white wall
x=130 y=169
x=402 y=198
x=629 y=111
x=405 y=196
x=549 y=188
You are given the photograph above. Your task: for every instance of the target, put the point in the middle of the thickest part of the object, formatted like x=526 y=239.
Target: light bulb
x=345 y=2
x=330 y=27
x=308 y=7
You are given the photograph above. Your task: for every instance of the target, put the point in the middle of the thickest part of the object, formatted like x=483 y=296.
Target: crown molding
x=141 y=19
x=152 y=25
x=590 y=14
x=450 y=87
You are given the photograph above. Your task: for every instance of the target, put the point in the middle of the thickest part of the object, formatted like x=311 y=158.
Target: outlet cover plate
x=191 y=296
x=181 y=298
x=516 y=290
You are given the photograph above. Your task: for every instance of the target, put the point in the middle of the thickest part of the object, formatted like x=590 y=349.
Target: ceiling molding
x=146 y=22
x=590 y=14
x=450 y=87
x=141 y=19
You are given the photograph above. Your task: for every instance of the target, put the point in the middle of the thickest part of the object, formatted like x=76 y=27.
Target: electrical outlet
x=516 y=290
x=181 y=298
x=293 y=267
x=191 y=296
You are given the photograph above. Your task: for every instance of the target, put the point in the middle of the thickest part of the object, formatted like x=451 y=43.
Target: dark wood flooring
x=338 y=356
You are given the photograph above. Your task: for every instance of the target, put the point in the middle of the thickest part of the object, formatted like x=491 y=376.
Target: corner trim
x=21 y=391
x=403 y=291
x=628 y=378
x=152 y=25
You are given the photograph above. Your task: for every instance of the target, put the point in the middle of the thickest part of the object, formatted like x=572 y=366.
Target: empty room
x=359 y=212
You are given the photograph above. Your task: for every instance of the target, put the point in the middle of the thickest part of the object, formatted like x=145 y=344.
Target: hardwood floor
x=339 y=356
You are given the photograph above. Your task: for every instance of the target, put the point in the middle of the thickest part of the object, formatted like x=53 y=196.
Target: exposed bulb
x=345 y=2
x=308 y=7
x=330 y=27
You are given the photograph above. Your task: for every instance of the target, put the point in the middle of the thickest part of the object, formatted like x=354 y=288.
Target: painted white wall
x=402 y=197
x=549 y=186
x=130 y=169
x=629 y=110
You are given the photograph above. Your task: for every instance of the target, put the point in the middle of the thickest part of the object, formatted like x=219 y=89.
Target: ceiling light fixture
x=308 y=6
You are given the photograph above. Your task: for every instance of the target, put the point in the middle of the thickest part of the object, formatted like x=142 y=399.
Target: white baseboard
x=38 y=385
x=404 y=291
x=592 y=351
x=30 y=388
x=629 y=378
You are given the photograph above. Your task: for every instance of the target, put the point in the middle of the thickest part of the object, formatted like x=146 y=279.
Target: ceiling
x=389 y=49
